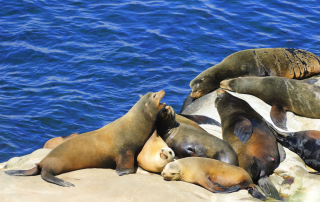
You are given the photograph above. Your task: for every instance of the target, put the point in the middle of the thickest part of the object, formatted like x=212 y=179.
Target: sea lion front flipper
x=218 y=188
x=282 y=153
x=125 y=164
x=200 y=119
x=243 y=129
x=254 y=169
x=316 y=173
x=268 y=188
x=279 y=116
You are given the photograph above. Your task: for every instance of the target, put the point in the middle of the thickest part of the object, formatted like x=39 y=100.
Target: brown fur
x=54 y=142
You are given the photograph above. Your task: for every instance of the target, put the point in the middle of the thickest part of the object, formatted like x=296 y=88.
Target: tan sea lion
x=187 y=141
x=115 y=145
x=284 y=62
x=245 y=130
x=282 y=94
x=214 y=175
x=54 y=142
x=155 y=154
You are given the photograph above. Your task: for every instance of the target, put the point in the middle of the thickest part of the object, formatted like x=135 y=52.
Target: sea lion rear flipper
x=282 y=153
x=268 y=188
x=218 y=188
x=34 y=171
x=279 y=116
x=255 y=193
x=243 y=129
x=49 y=177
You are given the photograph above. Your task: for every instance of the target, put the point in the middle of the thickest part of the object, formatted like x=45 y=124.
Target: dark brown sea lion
x=115 y=145
x=284 y=62
x=155 y=154
x=282 y=94
x=54 y=142
x=214 y=175
x=305 y=144
x=187 y=141
x=245 y=130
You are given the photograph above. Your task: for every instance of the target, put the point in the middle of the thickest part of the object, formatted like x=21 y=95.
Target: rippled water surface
x=73 y=66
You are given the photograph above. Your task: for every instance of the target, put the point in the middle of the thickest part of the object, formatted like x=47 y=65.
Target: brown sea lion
x=214 y=175
x=187 y=141
x=305 y=144
x=282 y=94
x=245 y=130
x=155 y=154
x=115 y=145
x=284 y=62
x=54 y=142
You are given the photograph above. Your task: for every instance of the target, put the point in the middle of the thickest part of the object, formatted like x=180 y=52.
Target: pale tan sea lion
x=214 y=175
x=155 y=154
x=115 y=145
x=54 y=142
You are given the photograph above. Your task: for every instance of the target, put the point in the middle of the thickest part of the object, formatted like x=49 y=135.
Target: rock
x=105 y=184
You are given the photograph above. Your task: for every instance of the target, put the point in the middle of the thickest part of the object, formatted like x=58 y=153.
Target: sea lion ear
x=140 y=96
x=243 y=129
x=146 y=104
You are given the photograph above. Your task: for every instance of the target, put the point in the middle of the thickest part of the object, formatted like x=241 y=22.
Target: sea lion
x=284 y=62
x=115 y=145
x=155 y=154
x=54 y=142
x=187 y=141
x=282 y=94
x=305 y=144
x=214 y=175
x=245 y=130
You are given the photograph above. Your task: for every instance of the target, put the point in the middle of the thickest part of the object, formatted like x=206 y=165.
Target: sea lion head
x=203 y=84
x=171 y=171
x=166 y=155
x=220 y=95
x=151 y=102
x=166 y=116
x=226 y=84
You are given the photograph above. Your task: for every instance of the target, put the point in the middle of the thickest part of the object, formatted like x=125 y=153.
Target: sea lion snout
x=225 y=84
x=220 y=92
x=167 y=154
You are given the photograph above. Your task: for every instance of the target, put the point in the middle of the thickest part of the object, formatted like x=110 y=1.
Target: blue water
x=73 y=66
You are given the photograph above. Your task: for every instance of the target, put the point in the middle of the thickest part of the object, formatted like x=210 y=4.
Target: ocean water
x=75 y=66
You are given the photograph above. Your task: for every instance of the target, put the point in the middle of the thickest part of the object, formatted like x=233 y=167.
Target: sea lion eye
x=170 y=152
x=154 y=95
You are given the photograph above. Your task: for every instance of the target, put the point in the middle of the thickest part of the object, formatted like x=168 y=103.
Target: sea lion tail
x=268 y=188
x=34 y=171
x=255 y=193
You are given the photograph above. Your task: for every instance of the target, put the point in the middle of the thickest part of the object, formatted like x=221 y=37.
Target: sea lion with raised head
x=282 y=94
x=115 y=145
x=306 y=144
x=245 y=130
x=187 y=141
x=155 y=154
x=283 y=62
x=214 y=175
x=54 y=142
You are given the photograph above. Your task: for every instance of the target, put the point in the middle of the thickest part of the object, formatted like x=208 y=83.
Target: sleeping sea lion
x=187 y=141
x=282 y=94
x=284 y=62
x=214 y=175
x=305 y=144
x=54 y=142
x=245 y=130
x=115 y=145
x=155 y=154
